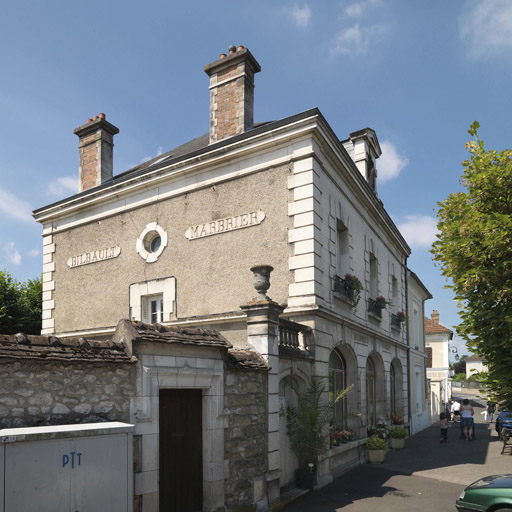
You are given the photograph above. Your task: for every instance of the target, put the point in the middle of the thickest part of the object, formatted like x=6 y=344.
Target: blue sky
x=416 y=72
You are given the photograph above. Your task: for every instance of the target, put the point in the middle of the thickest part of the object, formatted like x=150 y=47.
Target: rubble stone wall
x=245 y=437
x=34 y=393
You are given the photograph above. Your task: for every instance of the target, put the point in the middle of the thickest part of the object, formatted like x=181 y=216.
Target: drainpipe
x=408 y=346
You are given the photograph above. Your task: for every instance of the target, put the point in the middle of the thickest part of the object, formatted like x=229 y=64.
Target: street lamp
x=454 y=350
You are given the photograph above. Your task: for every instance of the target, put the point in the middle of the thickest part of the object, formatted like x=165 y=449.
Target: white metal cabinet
x=68 y=468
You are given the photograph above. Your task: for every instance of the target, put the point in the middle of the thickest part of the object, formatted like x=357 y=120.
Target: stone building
x=437 y=339
x=171 y=243
x=417 y=294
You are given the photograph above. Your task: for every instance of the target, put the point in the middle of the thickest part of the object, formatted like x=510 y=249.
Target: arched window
x=370 y=393
x=337 y=383
x=392 y=387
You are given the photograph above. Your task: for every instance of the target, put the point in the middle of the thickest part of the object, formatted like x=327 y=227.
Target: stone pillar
x=262 y=336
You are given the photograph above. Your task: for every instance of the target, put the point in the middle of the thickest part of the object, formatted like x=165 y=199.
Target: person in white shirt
x=455 y=410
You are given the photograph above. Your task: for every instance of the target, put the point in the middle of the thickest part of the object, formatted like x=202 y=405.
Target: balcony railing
x=374 y=308
x=396 y=321
x=293 y=334
x=342 y=287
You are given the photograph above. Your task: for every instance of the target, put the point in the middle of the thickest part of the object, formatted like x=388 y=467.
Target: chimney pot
x=103 y=116
x=89 y=120
x=240 y=48
x=435 y=317
x=223 y=55
x=232 y=49
x=95 y=118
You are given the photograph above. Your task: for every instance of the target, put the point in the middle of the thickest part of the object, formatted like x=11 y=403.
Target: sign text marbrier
x=94 y=256
x=222 y=225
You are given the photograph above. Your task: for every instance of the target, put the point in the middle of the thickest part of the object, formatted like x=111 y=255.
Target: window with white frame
x=153 y=309
x=153 y=301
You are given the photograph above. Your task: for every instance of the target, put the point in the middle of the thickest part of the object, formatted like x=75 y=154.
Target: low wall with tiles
x=245 y=438
x=35 y=392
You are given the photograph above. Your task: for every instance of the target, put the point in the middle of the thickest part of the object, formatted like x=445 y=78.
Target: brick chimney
x=435 y=317
x=95 y=151
x=231 y=93
x=366 y=150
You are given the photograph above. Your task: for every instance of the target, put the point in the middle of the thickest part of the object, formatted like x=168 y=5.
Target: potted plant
x=376 y=449
x=401 y=316
x=306 y=427
x=397 y=419
x=398 y=435
x=354 y=287
x=381 y=302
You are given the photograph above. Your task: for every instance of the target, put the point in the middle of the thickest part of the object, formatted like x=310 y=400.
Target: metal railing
x=293 y=334
x=374 y=308
x=342 y=287
x=396 y=321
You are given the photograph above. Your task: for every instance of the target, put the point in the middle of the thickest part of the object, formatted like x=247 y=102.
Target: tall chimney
x=231 y=93
x=95 y=152
x=435 y=317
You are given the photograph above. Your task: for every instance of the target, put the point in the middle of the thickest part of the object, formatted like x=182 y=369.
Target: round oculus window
x=151 y=242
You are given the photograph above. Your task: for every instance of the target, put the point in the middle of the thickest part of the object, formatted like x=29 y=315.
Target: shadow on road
x=425 y=475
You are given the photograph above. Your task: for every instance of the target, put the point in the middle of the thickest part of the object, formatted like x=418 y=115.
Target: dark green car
x=489 y=494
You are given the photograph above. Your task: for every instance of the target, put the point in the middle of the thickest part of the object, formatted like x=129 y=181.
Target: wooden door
x=181 y=450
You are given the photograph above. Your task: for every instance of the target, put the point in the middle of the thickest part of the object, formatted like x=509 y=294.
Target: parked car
x=492 y=493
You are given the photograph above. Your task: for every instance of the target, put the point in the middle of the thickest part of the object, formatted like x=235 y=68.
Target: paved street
x=426 y=475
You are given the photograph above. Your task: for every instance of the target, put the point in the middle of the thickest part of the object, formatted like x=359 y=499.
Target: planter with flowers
x=398 y=435
x=397 y=419
x=376 y=449
x=379 y=430
x=342 y=437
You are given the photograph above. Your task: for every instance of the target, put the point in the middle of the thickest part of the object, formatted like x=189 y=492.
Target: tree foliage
x=474 y=248
x=20 y=305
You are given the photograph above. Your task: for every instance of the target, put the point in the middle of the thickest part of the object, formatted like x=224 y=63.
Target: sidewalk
x=426 y=475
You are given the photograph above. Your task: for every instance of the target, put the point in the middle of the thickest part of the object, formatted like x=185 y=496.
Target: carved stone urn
x=262 y=280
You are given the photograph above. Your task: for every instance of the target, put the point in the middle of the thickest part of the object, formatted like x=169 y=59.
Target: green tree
x=20 y=305
x=474 y=248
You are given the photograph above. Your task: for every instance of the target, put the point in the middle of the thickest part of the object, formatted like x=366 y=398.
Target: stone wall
x=34 y=393
x=245 y=438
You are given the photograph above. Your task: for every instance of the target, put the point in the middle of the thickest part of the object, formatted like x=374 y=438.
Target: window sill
x=342 y=298
x=374 y=317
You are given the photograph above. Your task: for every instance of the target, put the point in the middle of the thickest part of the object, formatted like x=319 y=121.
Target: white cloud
x=486 y=27
x=301 y=15
x=357 y=40
x=419 y=230
x=390 y=163
x=34 y=253
x=357 y=9
x=62 y=187
x=13 y=255
x=14 y=207
x=159 y=151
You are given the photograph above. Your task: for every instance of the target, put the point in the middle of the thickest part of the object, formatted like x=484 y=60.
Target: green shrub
x=398 y=432
x=376 y=443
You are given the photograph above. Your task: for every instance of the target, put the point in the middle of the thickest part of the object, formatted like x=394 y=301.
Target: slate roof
x=183 y=335
x=245 y=360
x=432 y=327
x=21 y=346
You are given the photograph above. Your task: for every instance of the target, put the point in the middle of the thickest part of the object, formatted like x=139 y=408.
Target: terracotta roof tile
x=432 y=327
x=21 y=346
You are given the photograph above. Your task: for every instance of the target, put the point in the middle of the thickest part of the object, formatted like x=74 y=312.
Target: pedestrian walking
x=490 y=409
x=444 y=428
x=466 y=418
x=455 y=410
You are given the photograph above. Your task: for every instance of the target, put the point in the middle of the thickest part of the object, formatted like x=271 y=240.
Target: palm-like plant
x=306 y=423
